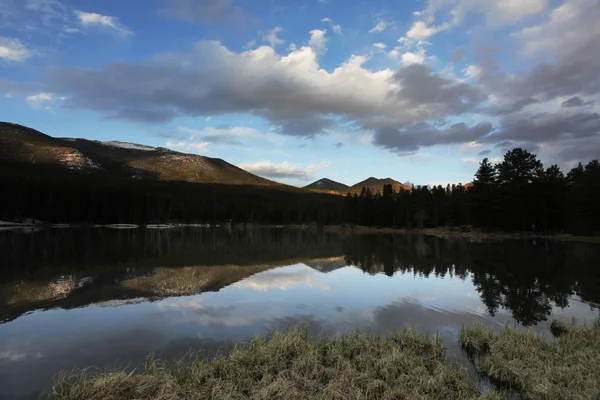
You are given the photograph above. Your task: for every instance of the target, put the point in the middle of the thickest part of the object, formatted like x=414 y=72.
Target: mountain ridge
x=22 y=144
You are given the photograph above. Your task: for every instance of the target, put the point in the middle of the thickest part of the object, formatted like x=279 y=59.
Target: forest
x=517 y=194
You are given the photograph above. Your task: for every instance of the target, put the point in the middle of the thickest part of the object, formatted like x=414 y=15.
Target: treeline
x=517 y=194
x=53 y=194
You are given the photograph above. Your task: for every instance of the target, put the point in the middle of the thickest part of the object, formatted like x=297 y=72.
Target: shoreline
x=448 y=233
x=437 y=232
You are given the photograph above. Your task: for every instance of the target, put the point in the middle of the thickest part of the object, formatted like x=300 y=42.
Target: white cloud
x=337 y=29
x=394 y=53
x=410 y=57
x=472 y=71
x=271 y=36
x=379 y=27
x=380 y=45
x=496 y=12
x=250 y=44
x=282 y=170
x=103 y=21
x=318 y=40
x=326 y=20
x=13 y=50
x=421 y=31
x=470 y=160
x=42 y=101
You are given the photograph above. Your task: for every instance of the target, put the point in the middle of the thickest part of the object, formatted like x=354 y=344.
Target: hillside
x=328 y=185
x=376 y=185
x=118 y=159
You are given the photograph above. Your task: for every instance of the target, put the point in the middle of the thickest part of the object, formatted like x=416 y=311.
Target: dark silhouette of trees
x=517 y=194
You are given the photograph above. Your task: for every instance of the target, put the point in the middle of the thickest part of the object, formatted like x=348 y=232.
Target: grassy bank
x=567 y=368
x=405 y=365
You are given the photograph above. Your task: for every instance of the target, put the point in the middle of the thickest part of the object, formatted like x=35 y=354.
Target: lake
x=108 y=298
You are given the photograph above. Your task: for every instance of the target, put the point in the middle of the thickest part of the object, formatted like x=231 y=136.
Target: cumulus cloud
x=102 y=21
x=337 y=29
x=14 y=50
x=291 y=90
x=203 y=11
x=380 y=46
x=285 y=169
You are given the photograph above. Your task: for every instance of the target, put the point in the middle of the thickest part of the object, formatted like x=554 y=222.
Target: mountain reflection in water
x=99 y=297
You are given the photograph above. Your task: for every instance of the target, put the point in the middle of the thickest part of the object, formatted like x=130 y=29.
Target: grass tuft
x=568 y=368
x=559 y=328
x=405 y=365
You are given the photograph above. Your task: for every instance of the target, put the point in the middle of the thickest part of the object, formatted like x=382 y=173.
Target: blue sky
x=295 y=91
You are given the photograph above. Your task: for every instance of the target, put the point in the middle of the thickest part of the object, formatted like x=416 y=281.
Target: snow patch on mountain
x=129 y=146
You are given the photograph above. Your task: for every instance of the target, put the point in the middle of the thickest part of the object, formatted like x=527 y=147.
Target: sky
x=416 y=90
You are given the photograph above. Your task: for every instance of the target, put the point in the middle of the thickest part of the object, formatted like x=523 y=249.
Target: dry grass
x=567 y=368
x=405 y=365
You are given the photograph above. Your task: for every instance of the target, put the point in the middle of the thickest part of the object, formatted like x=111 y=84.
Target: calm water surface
x=102 y=297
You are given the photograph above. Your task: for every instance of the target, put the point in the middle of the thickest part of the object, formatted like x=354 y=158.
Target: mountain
x=327 y=185
x=376 y=185
x=119 y=159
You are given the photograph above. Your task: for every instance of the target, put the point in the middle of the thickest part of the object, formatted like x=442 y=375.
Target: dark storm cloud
x=420 y=86
x=484 y=153
x=410 y=139
x=306 y=127
x=148 y=116
x=545 y=127
x=203 y=11
x=576 y=101
x=572 y=102
x=580 y=150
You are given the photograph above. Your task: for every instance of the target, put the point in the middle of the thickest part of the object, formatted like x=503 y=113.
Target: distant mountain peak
x=376 y=185
x=328 y=185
